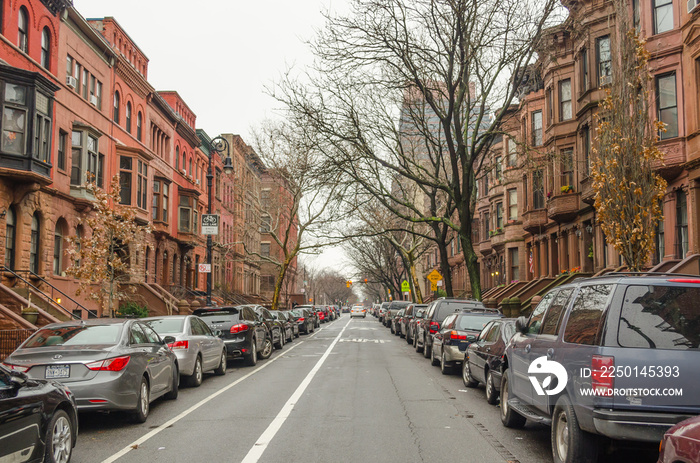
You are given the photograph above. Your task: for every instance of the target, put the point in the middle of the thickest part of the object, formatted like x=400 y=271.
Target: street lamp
x=216 y=145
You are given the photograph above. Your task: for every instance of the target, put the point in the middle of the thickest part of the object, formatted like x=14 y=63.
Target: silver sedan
x=198 y=350
x=108 y=364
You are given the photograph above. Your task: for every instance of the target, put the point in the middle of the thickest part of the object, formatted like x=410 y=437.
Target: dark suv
x=612 y=356
x=242 y=330
x=438 y=310
x=392 y=310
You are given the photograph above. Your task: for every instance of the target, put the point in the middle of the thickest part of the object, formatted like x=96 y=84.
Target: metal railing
x=11 y=339
x=55 y=292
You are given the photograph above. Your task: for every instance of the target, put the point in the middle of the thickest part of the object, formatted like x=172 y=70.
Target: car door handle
x=550 y=353
x=488 y=349
x=528 y=348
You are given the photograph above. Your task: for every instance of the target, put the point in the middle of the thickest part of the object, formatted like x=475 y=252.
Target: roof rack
x=629 y=274
x=477 y=309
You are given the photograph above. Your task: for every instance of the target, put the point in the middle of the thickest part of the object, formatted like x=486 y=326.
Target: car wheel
x=427 y=351
x=434 y=361
x=267 y=349
x=408 y=339
x=252 y=359
x=223 y=364
x=142 y=403
x=491 y=392
x=296 y=335
x=175 y=386
x=467 y=377
x=391 y=328
x=280 y=344
x=195 y=379
x=418 y=347
x=445 y=369
x=59 y=438
x=570 y=444
x=509 y=417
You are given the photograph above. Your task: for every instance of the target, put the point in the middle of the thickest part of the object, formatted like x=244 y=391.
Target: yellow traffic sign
x=434 y=276
x=405 y=286
x=433 y=286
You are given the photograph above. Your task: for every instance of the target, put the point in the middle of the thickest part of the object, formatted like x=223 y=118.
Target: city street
x=349 y=392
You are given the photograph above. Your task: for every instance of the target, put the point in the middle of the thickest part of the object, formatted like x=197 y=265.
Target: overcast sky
x=219 y=54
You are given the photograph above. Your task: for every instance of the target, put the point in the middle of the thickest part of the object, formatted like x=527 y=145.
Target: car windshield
x=80 y=335
x=472 y=322
x=167 y=325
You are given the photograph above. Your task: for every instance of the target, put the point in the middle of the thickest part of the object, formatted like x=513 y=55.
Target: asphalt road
x=350 y=392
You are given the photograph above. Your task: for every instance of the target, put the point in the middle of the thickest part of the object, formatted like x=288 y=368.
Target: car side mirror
x=521 y=325
x=18 y=378
x=168 y=340
x=218 y=333
x=471 y=338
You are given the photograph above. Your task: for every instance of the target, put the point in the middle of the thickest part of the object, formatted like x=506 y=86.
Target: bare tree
x=628 y=192
x=332 y=285
x=406 y=90
x=299 y=201
x=376 y=259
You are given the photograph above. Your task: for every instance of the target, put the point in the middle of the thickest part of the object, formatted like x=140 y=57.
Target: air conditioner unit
x=196 y=182
x=692 y=5
x=183 y=171
x=71 y=81
x=605 y=80
x=93 y=100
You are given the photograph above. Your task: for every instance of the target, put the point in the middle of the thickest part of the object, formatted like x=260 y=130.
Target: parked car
x=437 y=311
x=358 y=311
x=275 y=328
x=482 y=361
x=304 y=318
x=197 y=348
x=291 y=329
x=457 y=331
x=619 y=332
x=243 y=332
x=345 y=309
x=418 y=314
x=396 y=322
x=314 y=314
x=38 y=419
x=404 y=321
x=392 y=310
x=382 y=311
x=108 y=364
x=680 y=444
x=320 y=314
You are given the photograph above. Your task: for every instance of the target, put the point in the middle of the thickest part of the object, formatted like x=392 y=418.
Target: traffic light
x=348 y=283
x=365 y=280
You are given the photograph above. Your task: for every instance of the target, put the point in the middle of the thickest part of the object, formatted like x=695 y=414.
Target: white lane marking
x=194 y=407
x=263 y=441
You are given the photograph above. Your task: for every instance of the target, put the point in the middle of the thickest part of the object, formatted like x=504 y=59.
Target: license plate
x=57 y=371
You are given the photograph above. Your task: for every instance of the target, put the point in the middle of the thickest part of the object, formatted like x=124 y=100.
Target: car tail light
x=113 y=364
x=434 y=327
x=239 y=328
x=602 y=379
x=300 y=319
x=20 y=368
x=179 y=345
x=457 y=336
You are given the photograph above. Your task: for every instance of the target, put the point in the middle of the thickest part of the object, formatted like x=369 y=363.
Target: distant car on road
x=358 y=311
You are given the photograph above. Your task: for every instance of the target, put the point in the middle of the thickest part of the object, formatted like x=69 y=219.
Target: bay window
x=160 y=201
x=188 y=214
x=86 y=163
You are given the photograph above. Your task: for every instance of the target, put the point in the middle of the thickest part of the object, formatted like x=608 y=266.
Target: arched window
x=116 y=107
x=184 y=164
x=190 y=171
x=148 y=258
x=23 y=30
x=34 y=245
x=58 y=248
x=128 y=116
x=177 y=158
x=139 y=124
x=45 y=48
x=10 y=239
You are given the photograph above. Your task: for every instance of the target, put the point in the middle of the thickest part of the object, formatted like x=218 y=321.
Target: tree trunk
x=417 y=294
x=445 y=270
x=278 y=284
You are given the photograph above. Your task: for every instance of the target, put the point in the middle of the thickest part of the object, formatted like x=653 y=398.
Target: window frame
x=23 y=29
x=512 y=204
x=564 y=103
x=537 y=132
x=600 y=64
x=665 y=135
x=88 y=160
x=45 y=60
x=668 y=8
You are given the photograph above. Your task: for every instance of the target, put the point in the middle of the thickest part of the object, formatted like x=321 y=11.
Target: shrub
x=132 y=310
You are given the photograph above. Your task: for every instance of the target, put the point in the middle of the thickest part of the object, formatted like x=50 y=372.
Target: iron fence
x=11 y=339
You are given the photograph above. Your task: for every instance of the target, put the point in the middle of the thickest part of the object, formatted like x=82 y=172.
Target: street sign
x=405 y=287
x=210 y=224
x=204 y=268
x=433 y=286
x=434 y=276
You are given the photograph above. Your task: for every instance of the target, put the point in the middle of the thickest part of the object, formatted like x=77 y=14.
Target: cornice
x=132 y=78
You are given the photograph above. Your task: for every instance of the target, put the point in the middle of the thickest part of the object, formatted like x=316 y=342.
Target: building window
x=58 y=250
x=125 y=168
x=42 y=129
x=14 y=119
x=187 y=211
x=660 y=243
x=23 y=30
x=537 y=190
x=61 y=154
x=667 y=105
x=266 y=223
x=681 y=225
x=584 y=70
x=512 y=153
x=84 y=158
x=565 y=112
x=139 y=126
x=537 y=128
x=160 y=201
x=550 y=107
x=567 y=167
x=487 y=225
x=265 y=249
x=115 y=115
x=128 y=116
x=499 y=215
x=635 y=14
x=95 y=92
x=34 y=245
x=10 y=228
x=514 y=264
x=499 y=169
x=45 y=48
x=177 y=158
x=663 y=16
x=586 y=141
x=513 y=204
x=142 y=184
x=604 y=60
x=86 y=83
x=100 y=171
